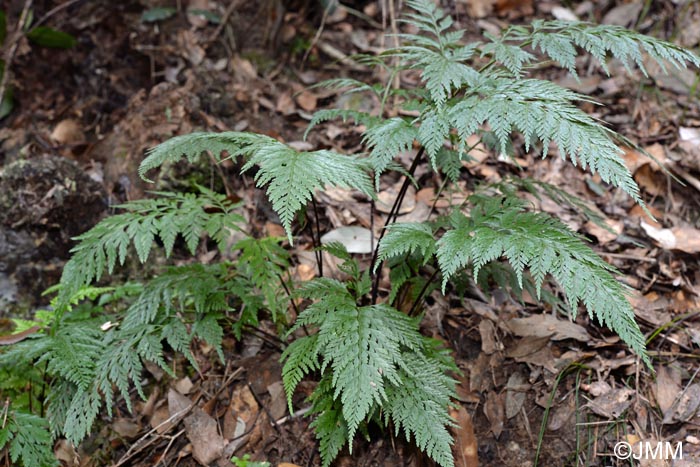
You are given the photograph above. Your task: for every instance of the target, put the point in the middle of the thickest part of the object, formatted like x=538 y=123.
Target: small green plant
x=246 y=462
x=373 y=363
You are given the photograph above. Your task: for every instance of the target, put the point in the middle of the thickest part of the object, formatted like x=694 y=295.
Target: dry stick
x=392 y=214
x=10 y=56
x=264 y=407
x=317 y=36
x=224 y=20
x=55 y=10
x=143 y=442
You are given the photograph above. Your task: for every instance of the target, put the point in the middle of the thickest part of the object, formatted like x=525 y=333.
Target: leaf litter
x=518 y=358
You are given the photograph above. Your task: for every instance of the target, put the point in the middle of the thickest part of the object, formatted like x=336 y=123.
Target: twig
x=264 y=407
x=10 y=56
x=224 y=19
x=317 y=36
x=55 y=10
x=144 y=442
x=167 y=448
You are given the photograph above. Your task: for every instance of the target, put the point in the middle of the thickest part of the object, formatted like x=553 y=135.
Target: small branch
x=10 y=56
x=391 y=218
x=55 y=10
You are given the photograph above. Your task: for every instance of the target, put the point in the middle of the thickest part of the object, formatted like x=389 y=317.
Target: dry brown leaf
x=126 y=428
x=274 y=230
x=241 y=412
x=494 y=409
x=611 y=404
x=603 y=235
x=18 y=337
x=686 y=407
x=307 y=101
x=687 y=239
x=184 y=385
x=487 y=330
x=683 y=238
x=652 y=181
x=465 y=447
x=546 y=325
x=387 y=197
x=203 y=432
x=666 y=388
x=535 y=351
x=285 y=103
x=278 y=400
x=515 y=394
x=305 y=272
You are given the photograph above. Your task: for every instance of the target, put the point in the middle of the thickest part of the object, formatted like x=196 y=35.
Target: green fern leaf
x=417 y=406
x=542 y=110
x=386 y=140
x=330 y=426
x=547 y=246
x=292 y=177
x=29 y=440
x=407 y=238
x=558 y=38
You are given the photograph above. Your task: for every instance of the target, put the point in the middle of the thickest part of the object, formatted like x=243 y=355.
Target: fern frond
x=386 y=140
x=417 y=406
x=356 y=116
x=192 y=146
x=558 y=39
x=265 y=262
x=513 y=57
x=542 y=111
x=547 y=246
x=73 y=352
x=433 y=131
x=299 y=359
x=292 y=177
x=405 y=238
x=330 y=426
x=106 y=245
x=29 y=440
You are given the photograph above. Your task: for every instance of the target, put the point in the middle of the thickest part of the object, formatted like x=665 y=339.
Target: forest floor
x=534 y=384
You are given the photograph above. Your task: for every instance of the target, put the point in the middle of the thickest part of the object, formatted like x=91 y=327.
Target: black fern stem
x=319 y=253
x=390 y=219
x=419 y=298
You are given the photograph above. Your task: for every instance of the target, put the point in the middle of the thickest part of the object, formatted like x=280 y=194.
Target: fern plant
x=363 y=342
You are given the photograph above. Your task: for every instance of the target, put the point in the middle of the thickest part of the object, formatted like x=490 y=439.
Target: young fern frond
x=106 y=245
x=28 y=438
x=367 y=352
x=542 y=111
x=559 y=40
x=292 y=177
x=407 y=238
x=501 y=227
